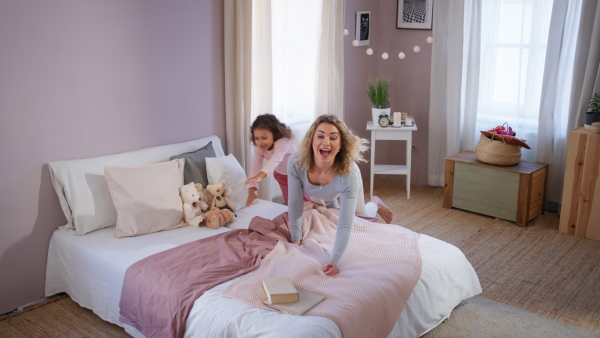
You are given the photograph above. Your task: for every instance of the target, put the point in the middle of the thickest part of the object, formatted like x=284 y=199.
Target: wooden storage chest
x=515 y=193
x=580 y=210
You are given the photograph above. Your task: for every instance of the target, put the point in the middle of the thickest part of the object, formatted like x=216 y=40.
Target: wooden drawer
x=515 y=193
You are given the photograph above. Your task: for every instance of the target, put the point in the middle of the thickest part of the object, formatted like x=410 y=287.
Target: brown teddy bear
x=205 y=197
x=218 y=217
x=220 y=196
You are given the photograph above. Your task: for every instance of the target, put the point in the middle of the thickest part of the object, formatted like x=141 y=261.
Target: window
x=514 y=34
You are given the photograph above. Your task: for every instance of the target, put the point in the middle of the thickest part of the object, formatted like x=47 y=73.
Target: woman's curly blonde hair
x=351 y=149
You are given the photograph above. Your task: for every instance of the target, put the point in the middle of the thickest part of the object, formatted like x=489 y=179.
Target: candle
x=404 y=115
x=408 y=121
x=397 y=119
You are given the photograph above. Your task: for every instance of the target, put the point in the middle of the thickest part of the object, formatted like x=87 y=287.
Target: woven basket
x=497 y=152
x=595 y=127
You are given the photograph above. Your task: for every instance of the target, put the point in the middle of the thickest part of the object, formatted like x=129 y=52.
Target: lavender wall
x=410 y=80
x=89 y=78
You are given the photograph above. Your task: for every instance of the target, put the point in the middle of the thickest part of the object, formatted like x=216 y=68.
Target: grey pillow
x=194 y=169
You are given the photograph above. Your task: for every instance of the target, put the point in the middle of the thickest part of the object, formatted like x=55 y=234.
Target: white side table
x=393 y=134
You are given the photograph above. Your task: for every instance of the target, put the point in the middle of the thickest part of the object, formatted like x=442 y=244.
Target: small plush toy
x=192 y=205
x=204 y=197
x=218 y=217
x=220 y=195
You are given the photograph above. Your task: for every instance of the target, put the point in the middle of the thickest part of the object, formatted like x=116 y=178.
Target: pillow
x=195 y=164
x=82 y=190
x=146 y=197
x=227 y=168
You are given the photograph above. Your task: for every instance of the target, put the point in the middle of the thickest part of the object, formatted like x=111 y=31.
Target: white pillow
x=146 y=197
x=227 y=168
x=82 y=189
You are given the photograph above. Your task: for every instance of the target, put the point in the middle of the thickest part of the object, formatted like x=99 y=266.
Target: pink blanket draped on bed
x=159 y=291
x=378 y=272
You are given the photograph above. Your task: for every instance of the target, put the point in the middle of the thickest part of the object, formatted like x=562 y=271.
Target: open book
x=306 y=301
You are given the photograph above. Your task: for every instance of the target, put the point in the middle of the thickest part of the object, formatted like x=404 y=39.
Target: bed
x=87 y=261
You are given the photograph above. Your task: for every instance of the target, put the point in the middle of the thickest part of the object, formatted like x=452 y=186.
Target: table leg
x=408 y=167
x=372 y=163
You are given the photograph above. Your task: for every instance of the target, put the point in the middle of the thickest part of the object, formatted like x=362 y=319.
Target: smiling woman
x=325 y=169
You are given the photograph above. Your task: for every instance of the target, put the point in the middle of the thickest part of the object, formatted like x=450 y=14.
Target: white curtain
x=454 y=79
x=555 y=119
x=238 y=58
x=284 y=58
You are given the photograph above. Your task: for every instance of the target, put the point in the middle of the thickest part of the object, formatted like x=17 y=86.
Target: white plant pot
x=376 y=112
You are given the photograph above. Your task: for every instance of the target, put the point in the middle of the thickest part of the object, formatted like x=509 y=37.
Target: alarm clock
x=384 y=120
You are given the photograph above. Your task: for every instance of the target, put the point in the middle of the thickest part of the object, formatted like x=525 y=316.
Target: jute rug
x=534 y=268
x=523 y=271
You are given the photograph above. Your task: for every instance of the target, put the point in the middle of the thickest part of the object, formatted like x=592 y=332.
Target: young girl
x=272 y=141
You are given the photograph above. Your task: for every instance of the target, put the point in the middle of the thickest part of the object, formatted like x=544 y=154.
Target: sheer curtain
x=555 y=119
x=493 y=56
x=284 y=58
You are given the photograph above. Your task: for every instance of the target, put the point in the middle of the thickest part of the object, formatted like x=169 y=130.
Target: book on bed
x=306 y=301
x=280 y=290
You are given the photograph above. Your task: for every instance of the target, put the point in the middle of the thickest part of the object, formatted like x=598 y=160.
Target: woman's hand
x=251 y=196
x=331 y=269
x=257 y=178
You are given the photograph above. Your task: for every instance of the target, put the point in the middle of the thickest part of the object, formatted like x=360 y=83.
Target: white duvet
x=91 y=269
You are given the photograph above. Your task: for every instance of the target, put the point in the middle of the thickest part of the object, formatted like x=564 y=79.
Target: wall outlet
x=415 y=149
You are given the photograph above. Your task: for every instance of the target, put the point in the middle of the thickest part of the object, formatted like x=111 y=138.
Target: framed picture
x=363 y=28
x=415 y=14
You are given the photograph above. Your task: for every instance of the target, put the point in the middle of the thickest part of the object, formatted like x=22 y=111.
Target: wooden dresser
x=580 y=210
x=515 y=193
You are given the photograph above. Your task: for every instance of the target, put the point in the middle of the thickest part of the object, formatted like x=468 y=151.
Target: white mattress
x=91 y=269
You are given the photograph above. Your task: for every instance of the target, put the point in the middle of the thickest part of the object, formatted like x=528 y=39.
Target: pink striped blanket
x=159 y=291
x=378 y=272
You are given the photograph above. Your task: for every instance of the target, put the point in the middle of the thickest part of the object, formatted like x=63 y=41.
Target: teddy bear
x=192 y=205
x=220 y=196
x=218 y=217
x=205 y=197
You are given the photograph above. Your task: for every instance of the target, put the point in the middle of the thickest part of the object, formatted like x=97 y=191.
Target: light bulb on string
x=345 y=31
x=384 y=56
x=355 y=43
x=416 y=49
x=430 y=39
x=401 y=55
x=369 y=51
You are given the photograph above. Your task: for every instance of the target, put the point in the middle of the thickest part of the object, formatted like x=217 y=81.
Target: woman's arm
x=295 y=200
x=346 y=217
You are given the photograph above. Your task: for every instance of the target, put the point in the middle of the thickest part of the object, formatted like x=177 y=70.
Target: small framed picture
x=363 y=28
x=415 y=14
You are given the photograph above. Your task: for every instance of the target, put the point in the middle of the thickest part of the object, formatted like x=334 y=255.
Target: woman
x=325 y=168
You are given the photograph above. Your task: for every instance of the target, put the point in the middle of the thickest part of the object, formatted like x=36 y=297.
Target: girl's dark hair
x=271 y=123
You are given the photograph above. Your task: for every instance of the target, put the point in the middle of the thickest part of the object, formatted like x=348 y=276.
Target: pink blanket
x=379 y=270
x=159 y=291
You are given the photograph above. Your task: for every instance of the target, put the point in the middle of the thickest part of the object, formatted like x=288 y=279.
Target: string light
x=430 y=39
x=401 y=55
x=384 y=56
x=416 y=49
x=369 y=51
x=345 y=31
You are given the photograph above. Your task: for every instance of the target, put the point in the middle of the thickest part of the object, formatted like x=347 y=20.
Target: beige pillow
x=146 y=197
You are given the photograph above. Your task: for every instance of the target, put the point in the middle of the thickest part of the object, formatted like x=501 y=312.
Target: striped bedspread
x=378 y=272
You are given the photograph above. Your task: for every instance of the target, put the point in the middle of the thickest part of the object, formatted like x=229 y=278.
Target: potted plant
x=593 y=114
x=379 y=93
